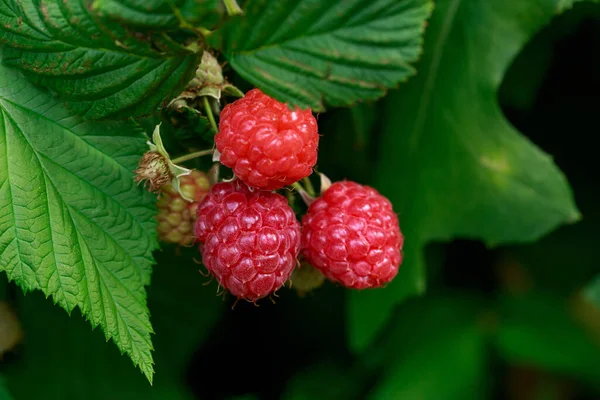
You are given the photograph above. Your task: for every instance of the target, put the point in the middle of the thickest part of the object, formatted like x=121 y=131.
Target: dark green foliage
x=472 y=117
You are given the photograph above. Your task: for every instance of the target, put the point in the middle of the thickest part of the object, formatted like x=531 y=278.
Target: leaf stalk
x=191 y=156
x=209 y=114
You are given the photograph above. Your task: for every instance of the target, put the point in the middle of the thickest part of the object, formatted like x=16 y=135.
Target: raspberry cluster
x=249 y=236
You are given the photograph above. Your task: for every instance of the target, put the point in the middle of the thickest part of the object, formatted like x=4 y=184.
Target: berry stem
x=200 y=31
x=298 y=187
x=309 y=187
x=209 y=114
x=232 y=7
x=191 y=156
x=306 y=197
x=204 y=31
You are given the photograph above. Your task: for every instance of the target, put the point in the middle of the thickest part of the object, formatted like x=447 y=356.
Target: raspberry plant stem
x=298 y=187
x=200 y=31
x=309 y=187
x=306 y=197
x=191 y=156
x=209 y=114
x=232 y=7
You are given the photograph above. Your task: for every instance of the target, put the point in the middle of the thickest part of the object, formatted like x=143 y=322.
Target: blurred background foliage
x=518 y=322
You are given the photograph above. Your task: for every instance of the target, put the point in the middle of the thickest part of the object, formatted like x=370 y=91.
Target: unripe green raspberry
x=306 y=278
x=209 y=73
x=176 y=216
x=11 y=333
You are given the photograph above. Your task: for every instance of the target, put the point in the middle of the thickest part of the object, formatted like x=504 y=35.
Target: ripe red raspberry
x=249 y=239
x=267 y=145
x=176 y=216
x=351 y=234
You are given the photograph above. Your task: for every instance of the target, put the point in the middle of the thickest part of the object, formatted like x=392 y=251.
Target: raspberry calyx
x=305 y=279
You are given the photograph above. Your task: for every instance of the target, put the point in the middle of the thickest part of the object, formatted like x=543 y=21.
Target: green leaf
x=348 y=142
x=592 y=292
x=183 y=308
x=324 y=380
x=99 y=69
x=68 y=361
x=436 y=349
x=312 y=52
x=539 y=328
x=528 y=71
x=543 y=262
x=449 y=161
x=188 y=124
x=74 y=224
x=161 y=14
x=4 y=395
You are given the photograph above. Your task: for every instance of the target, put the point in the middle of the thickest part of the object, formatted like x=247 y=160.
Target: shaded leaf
x=161 y=14
x=4 y=395
x=324 y=381
x=543 y=264
x=459 y=169
x=592 y=292
x=99 y=69
x=529 y=69
x=436 y=349
x=311 y=53
x=346 y=145
x=539 y=328
x=527 y=73
x=188 y=124
x=84 y=367
x=74 y=224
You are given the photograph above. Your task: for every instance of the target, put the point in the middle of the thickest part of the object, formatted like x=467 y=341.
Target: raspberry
x=176 y=216
x=249 y=239
x=267 y=145
x=351 y=234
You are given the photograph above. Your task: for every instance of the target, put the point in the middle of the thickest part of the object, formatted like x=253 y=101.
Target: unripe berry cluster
x=176 y=215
